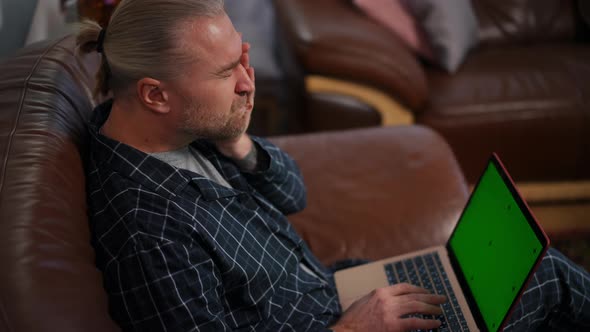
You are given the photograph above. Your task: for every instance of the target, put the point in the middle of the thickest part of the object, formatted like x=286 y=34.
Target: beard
x=200 y=122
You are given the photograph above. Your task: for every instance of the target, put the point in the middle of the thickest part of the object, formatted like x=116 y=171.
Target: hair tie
x=100 y=41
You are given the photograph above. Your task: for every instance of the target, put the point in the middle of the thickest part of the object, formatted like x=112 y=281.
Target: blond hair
x=143 y=39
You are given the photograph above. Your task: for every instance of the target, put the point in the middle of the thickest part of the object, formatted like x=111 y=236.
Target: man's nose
x=245 y=84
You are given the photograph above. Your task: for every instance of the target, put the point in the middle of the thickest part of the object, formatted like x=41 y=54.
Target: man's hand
x=383 y=309
x=245 y=61
x=235 y=148
x=238 y=148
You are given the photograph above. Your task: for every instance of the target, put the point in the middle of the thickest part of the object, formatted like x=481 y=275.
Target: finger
x=245 y=61
x=416 y=307
x=426 y=298
x=413 y=323
x=250 y=100
x=245 y=47
x=250 y=72
x=401 y=289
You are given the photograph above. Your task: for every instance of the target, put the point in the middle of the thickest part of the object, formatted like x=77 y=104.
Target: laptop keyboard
x=427 y=272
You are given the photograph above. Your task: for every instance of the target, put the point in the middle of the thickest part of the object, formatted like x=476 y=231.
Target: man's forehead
x=215 y=40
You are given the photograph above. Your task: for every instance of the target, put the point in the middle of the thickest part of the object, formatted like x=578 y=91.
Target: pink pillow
x=394 y=15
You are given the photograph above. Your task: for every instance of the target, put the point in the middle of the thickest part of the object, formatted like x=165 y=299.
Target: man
x=188 y=211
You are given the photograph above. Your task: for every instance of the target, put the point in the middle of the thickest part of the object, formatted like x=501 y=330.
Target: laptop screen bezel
x=539 y=232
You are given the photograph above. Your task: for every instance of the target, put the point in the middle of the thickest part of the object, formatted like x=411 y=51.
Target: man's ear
x=152 y=95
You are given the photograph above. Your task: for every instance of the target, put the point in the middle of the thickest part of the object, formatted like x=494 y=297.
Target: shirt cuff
x=257 y=160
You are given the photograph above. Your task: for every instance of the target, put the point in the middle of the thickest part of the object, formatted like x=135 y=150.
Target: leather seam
x=20 y=107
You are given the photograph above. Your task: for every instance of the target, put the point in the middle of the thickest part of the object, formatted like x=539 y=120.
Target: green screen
x=495 y=247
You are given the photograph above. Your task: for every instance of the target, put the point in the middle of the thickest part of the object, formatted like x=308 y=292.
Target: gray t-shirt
x=191 y=159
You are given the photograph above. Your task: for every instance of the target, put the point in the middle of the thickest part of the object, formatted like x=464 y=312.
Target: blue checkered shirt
x=180 y=252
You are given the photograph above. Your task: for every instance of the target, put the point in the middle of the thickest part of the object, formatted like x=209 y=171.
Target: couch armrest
x=49 y=280
x=377 y=192
x=333 y=38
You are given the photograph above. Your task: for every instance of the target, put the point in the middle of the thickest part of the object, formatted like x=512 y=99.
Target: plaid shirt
x=180 y=252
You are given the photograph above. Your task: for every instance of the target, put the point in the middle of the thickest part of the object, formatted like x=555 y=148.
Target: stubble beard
x=200 y=123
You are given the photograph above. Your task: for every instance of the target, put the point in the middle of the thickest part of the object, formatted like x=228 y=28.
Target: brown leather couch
x=523 y=92
x=372 y=193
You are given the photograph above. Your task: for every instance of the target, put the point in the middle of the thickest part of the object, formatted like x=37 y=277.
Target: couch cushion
x=394 y=15
x=526 y=103
x=525 y=21
x=49 y=281
x=377 y=192
x=450 y=27
x=326 y=46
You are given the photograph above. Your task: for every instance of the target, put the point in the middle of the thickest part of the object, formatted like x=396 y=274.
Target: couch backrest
x=49 y=281
x=527 y=21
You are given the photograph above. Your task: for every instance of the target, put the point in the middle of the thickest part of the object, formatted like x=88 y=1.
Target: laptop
x=483 y=269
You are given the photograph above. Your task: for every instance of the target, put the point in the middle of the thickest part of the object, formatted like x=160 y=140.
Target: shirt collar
x=146 y=170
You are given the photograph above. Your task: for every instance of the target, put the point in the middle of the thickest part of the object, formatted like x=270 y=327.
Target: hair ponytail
x=87 y=41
